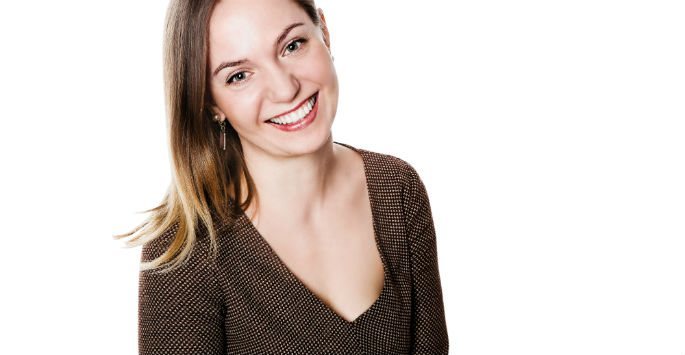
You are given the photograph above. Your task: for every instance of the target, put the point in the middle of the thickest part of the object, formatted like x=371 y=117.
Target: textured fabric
x=247 y=301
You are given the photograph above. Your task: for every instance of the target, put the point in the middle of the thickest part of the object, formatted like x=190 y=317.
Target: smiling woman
x=272 y=65
x=274 y=238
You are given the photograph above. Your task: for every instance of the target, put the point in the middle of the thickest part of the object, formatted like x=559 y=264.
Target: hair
x=206 y=180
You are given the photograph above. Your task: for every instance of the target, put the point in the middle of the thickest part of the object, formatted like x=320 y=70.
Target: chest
x=327 y=297
x=338 y=261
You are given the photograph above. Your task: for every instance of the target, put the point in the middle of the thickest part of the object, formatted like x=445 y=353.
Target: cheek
x=318 y=67
x=240 y=108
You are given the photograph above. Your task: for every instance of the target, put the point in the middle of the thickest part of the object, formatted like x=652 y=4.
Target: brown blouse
x=248 y=302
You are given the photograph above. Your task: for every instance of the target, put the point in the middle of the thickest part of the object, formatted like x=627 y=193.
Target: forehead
x=241 y=25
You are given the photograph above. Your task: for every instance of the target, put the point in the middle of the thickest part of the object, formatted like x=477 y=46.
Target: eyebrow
x=235 y=63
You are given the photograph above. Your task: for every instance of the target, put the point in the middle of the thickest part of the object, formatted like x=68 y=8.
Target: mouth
x=297 y=114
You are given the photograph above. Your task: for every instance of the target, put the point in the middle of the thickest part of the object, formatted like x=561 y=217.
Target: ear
x=324 y=29
x=217 y=114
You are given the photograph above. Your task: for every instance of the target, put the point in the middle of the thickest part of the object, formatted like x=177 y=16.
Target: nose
x=283 y=85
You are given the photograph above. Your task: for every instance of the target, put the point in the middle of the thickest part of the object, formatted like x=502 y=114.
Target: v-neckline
x=374 y=216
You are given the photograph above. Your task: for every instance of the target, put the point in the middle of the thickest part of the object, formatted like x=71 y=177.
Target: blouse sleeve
x=180 y=311
x=429 y=327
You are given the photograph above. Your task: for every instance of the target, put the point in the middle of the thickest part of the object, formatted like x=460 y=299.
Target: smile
x=297 y=114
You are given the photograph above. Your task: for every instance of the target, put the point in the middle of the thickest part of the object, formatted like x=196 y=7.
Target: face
x=268 y=61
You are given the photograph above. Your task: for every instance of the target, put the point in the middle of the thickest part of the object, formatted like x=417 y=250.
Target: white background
x=549 y=135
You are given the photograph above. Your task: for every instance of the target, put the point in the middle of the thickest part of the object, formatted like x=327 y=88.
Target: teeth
x=297 y=114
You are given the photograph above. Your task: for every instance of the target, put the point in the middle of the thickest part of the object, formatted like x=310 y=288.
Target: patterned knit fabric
x=248 y=302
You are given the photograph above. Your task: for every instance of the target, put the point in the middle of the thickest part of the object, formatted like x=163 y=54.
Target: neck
x=292 y=187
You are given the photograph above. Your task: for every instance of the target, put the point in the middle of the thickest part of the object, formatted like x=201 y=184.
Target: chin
x=310 y=144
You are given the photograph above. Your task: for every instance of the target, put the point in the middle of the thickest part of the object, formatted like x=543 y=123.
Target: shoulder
x=390 y=171
x=174 y=246
x=154 y=248
x=386 y=165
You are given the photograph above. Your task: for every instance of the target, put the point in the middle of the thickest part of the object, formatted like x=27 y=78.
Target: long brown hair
x=207 y=181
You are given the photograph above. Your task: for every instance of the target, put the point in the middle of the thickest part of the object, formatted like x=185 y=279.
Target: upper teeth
x=297 y=114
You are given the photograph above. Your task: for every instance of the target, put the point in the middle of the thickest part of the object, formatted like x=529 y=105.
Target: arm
x=429 y=327
x=180 y=312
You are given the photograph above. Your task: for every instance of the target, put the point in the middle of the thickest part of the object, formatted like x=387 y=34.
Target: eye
x=295 y=45
x=237 y=77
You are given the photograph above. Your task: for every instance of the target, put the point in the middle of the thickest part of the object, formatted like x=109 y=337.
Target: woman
x=273 y=238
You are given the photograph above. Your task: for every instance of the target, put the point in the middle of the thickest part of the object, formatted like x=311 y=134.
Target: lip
x=294 y=109
x=304 y=122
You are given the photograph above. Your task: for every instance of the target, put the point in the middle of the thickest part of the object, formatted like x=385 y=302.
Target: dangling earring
x=222 y=124
x=223 y=133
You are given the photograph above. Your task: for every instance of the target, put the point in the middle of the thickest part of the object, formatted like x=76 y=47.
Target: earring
x=223 y=133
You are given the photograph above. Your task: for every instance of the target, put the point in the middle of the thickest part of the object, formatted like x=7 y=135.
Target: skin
x=312 y=198
x=293 y=171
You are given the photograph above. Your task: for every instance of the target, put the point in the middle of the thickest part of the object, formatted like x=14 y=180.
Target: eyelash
x=301 y=42
x=230 y=81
